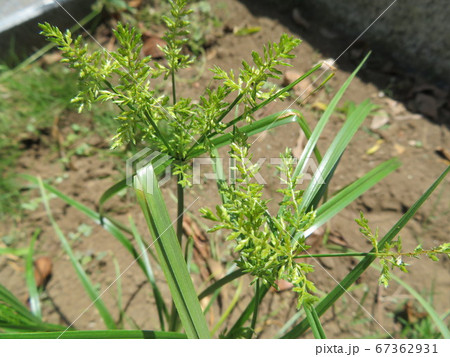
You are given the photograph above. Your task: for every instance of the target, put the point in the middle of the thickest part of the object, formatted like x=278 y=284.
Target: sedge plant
x=181 y=129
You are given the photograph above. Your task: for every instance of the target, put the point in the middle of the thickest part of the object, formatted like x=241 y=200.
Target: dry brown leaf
x=135 y=3
x=283 y=285
x=412 y=314
x=152 y=44
x=42 y=270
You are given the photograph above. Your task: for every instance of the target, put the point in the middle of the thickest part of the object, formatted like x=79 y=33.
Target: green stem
x=180 y=210
x=374 y=254
x=255 y=311
x=174 y=320
x=174 y=93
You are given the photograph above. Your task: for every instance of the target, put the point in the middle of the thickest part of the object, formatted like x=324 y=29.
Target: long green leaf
x=170 y=254
x=314 y=322
x=98 y=334
x=238 y=119
x=219 y=283
x=85 y=281
x=348 y=194
x=258 y=126
x=351 y=278
x=335 y=151
x=160 y=304
x=35 y=304
x=312 y=142
x=121 y=185
x=106 y=224
x=15 y=316
x=307 y=131
x=247 y=313
x=14 y=251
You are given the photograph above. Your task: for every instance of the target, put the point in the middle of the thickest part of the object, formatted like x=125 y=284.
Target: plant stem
x=173 y=324
x=180 y=210
x=174 y=93
x=356 y=254
x=255 y=311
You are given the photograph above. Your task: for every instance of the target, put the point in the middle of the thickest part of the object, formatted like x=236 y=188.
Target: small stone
x=427 y=105
x=379 y=119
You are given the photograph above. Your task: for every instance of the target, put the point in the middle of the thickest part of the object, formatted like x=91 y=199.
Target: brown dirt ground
x=383 y=205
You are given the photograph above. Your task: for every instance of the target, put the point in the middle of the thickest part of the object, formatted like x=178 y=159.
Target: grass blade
x=307 y=131
x=258 y=126
x=170 y=254
x=85 y=281
x=119 y=186
x=219 y=283
x=312 y=142
x=160 y=304
x=254 y=109
x=347 y=195
x=237 y=328
x=15 y=316
x=99 y=334
x=229 y=309
x=314 y=322
x=335 y=151
x=14 y=251
x=106 y=224
x=35 y=304
x=351 y=278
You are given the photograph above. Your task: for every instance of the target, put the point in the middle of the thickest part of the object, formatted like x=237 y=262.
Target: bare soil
x=366 y=310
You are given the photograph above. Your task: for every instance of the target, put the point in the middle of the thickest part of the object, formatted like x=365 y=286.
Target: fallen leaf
x=42 y=271
x=338 y=239
x=283 y=285
x=152 y=44
x=244 y=31
x=319 y=106
x=412 y=314
x=375 y=148
x=134 y=3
